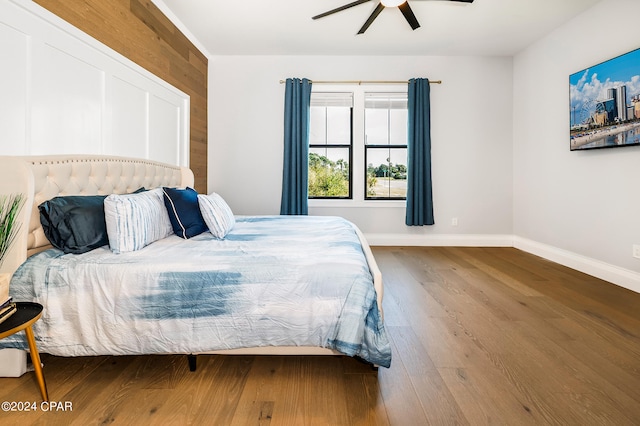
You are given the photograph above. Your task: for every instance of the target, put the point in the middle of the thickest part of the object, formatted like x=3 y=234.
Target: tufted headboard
x=41 y=178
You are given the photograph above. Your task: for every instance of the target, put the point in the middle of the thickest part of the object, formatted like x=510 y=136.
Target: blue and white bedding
x=273 y=281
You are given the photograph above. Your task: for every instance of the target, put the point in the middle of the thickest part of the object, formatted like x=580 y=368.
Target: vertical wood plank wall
x=138 y=30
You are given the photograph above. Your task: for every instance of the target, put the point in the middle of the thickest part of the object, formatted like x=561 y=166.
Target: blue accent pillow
x=184 y=212
x=74 y=224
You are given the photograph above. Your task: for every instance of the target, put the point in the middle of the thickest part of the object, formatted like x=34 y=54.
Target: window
x=330 y=145
x=358 y=145
x=385 y=146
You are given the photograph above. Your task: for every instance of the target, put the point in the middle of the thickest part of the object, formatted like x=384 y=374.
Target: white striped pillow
x=217 y=214
x=136 y=220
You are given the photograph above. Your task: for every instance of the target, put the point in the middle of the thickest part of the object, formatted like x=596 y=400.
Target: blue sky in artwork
x=621 y=68
x=591 y=84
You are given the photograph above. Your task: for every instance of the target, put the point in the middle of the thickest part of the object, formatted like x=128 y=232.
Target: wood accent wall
x=138 y=30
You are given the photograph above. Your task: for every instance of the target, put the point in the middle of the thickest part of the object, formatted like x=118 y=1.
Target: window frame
x=380 y=100
x=358 y=166
x=338 y=146
x=366 y=173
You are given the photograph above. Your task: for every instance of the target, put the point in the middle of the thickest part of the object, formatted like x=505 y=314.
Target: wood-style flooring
x=480 y=336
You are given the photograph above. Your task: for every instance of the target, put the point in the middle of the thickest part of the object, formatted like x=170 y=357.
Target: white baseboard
x=605 y=271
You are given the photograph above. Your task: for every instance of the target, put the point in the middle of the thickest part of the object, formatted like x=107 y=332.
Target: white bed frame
x=41 y=178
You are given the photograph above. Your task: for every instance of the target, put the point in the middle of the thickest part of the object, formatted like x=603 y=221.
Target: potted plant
x=10 y=206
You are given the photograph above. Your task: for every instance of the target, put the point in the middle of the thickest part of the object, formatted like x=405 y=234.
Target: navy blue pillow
x=74 y=224
x=184 y=212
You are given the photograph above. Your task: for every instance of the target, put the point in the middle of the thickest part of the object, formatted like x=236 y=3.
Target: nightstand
x=27 y=313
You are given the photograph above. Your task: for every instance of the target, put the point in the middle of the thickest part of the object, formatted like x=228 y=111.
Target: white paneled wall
x=13 y=86
x=62 y=92
x=66 y=102
x=164 y=129
x=129 y=119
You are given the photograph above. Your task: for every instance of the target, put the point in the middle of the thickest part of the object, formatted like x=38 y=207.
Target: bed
x=285 y=285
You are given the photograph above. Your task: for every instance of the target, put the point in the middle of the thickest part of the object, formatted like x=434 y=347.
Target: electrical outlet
x=454 y=221
x=636 y=251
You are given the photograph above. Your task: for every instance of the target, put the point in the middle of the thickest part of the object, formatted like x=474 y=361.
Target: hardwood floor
x=480 y=336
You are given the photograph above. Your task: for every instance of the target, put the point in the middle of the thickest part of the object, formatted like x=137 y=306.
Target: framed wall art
x=605 y=104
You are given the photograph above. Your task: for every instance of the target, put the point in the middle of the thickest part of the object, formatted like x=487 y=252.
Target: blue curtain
x=419 y=191
x=296 y=147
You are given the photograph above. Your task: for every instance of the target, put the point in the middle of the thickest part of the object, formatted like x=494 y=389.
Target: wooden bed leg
x=192 y=362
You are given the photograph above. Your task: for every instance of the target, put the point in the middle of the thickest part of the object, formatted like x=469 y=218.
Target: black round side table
x=27 y=313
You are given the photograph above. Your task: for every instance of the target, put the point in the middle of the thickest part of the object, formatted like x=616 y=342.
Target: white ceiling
x=285 y=27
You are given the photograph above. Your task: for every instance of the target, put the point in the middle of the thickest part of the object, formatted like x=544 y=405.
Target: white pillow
x=136 y=220
x=217 y=214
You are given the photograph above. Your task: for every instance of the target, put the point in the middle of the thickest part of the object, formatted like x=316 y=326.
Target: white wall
x=471 y=140
x=579 y=208
x=62 y=92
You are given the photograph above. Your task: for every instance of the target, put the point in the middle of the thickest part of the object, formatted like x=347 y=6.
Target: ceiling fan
x=403 y=5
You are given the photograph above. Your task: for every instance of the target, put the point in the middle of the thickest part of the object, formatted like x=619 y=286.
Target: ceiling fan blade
x=372 y=17
x=408 y=15
x=339 y=9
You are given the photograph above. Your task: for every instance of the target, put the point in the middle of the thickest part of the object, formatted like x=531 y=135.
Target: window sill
x=315 y=203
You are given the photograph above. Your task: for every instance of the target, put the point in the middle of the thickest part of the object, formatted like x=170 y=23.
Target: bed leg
x=192 y=362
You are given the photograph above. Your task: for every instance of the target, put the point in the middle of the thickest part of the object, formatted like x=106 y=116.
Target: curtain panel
x=419 y=188
x=296 y=147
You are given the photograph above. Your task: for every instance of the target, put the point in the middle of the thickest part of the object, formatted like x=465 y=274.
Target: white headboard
x=41 y=178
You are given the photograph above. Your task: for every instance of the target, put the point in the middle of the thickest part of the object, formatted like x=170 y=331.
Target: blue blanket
x=274 y=281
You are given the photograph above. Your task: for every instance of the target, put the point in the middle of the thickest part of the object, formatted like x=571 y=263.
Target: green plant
x=10 y=206
x=328 y=178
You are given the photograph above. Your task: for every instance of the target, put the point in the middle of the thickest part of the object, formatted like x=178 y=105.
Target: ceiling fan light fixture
x=403 y=5
x=392 y=3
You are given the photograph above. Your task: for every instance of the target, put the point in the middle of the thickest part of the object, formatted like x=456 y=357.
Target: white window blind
x=332 y=99
x=385 y=100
